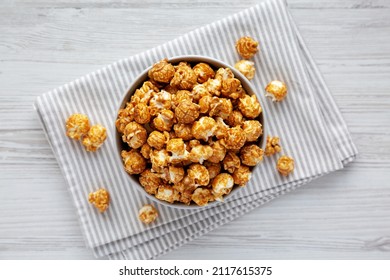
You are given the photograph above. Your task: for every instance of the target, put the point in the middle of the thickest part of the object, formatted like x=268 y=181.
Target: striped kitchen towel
x=308 y=122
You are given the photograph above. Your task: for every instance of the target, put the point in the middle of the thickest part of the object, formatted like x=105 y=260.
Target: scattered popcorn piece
x=147 y=214
x=202 y=196
x=134 y=162
x=251 y=155
x=187 y=112
x=200 y=153
x=249 y=106
x=100 y=199
x=157 y=140
x=246 y=47
x=77 y=125
x=231 y=162
x=141 y=113
x=167 y=193
x=203 y=72
x=276 y=90
x=247 y=68
x=235 y=118
x=252 y=129
x=199 y=174
x=222 y=185
x=95 y=137
x=272 y=146
x=242 y=175
x=185 y=77
x=150 y=181
x=162 y=71
x=285 y=165
x=219 y=152
x=164 y=120
x=234 y=138
x=183 y=131
x=213 y=168
x=134 y=135
x=203 y=128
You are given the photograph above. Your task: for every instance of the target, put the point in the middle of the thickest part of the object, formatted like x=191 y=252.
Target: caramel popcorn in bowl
x=185 y=130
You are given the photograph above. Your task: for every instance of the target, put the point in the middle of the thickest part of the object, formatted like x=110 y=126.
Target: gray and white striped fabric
x=308 y=122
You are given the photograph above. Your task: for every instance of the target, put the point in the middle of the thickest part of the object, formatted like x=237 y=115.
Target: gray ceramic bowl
x=192 y=59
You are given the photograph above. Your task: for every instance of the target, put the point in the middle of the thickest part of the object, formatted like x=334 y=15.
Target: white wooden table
x=44 y=44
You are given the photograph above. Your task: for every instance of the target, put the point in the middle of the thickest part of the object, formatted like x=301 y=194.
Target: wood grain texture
x=47 y=43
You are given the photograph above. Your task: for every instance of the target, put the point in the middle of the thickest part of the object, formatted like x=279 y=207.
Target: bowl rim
x=139 y=79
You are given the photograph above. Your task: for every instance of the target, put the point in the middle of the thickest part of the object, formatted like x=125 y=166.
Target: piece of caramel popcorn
x=164 y=120
x=251 y=155
x=223 y=74
x=175 y=174
x=178 y=149
x=199 y=174
x=162 y=71
x=231 y=162
x=187 y=112
x=249 y=106
x=247 y=68
x=157 y=139
x=181 y=96
x=231 y=88
x=199 y=91
x=159 y=159
x=219 y=152
x=203 y=72
x=147 y=88
x=185 y=77
x=222 y=128
x=77 y=125
x=252 y=129
x=272 y=146
x=150 y=181
x=235 y=118
x=200 y=153
x=285 y=165
x=147 y=214
x=222 y=185
x=220 y=107
x=213 y=86
x=204 y=104
x=125 y=116
x=134 y=135
x=213 y=168
x=276 y=90
x=242 y=175
x=203 y=128
x=183 y=131
x=145 y=150
x=100 y=199
x=140 y=96
x=247 y=47
x=167 y=193
x=202 y=196
x=160 y=100
x=95 y=137
x=234 y=138
x=141 y=113
x=170 y=89
x=133 y=161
